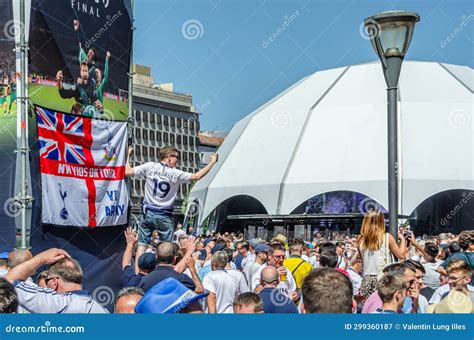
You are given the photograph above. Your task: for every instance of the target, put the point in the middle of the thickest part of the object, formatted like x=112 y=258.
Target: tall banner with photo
x=9 y=208
x=79 y=59
x=80 y=56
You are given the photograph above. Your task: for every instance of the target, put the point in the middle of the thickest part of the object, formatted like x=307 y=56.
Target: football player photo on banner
x=82 y=166
x=80 y=56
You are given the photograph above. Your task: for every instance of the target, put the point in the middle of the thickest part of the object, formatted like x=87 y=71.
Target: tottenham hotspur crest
x=64 y=213
x=110 y=151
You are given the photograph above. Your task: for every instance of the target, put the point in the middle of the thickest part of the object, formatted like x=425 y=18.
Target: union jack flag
x=61 y=137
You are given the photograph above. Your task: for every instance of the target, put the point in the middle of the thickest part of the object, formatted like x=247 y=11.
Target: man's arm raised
x=128 y=169
x=28 y=268
x=201 y=173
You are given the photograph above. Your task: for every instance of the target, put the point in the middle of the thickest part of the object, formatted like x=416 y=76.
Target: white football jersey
x=162 y=184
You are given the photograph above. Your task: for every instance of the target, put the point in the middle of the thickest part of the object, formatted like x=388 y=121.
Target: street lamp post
x=390 y=34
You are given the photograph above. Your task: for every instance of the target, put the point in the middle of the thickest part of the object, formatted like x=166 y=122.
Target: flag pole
x=23 y=197
x=130 y=120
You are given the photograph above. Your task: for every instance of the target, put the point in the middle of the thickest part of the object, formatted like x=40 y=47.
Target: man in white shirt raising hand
x=161 y=187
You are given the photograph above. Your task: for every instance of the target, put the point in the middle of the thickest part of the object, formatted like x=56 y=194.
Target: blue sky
x=218 y=50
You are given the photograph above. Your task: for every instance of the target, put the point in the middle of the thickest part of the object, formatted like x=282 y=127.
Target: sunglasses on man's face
x=49 y=279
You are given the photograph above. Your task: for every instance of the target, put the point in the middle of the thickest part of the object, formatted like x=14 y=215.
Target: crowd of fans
x=225 y=273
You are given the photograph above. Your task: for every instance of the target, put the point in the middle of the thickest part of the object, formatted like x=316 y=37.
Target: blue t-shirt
x=275 y=302
x=129 y=278
x=163 y=272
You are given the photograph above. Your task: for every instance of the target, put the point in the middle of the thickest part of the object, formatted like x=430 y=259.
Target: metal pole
x=24 y=198
x=391 y=68
x=392 y=161
x=131 y=118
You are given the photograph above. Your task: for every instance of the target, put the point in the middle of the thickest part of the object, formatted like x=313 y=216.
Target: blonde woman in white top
x=376 y=248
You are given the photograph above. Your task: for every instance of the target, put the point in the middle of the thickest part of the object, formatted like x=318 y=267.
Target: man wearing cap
x=146 y=263
x=3 y=264
x=162 y=183
x=251 y=254
x=261 y=253
x=170 y=296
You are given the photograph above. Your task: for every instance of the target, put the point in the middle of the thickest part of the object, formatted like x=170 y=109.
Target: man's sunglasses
x=49 y=279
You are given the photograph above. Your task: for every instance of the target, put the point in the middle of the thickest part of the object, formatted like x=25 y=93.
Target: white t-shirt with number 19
x=162 y=184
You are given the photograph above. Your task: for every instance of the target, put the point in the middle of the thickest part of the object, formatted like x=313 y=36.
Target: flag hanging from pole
x=82 y=166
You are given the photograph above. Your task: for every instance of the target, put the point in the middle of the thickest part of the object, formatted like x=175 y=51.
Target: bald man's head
x=127 y=299
x=269 y=276
x=166 y=252
x=18 y=256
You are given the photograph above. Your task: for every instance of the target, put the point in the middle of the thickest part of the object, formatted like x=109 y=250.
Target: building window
x=158 y=119
x=165 y=121
x=158 y=136
x=178 y=139
x=172 y=121
x=152 y=118
x=191 y=157
x=165 y=137
x=138 y=115
x=185 y=140
x=179 y=122
x=152 y=152
x=152 y=135
x=172 y=138
x=145 y=151
x=137 y=133
x=191 y=125
x=185 y=123
x=191 y=141
x=145 y=134
x=145 y=117
x=137 y=151
x=185 y=156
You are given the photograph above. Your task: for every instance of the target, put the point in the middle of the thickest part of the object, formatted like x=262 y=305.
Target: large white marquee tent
x=328 y=132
